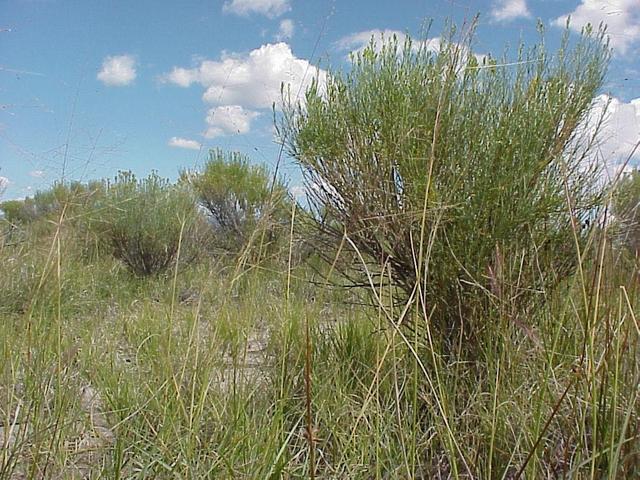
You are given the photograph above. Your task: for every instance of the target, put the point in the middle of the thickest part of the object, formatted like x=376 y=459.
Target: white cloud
x=286 y=30
x=299 y=192
x=618 y=124
x=621 y=16
x=182 y=77
x=241 y=84
x=620 y=130
x=4 y=183
x=228 y=119
x=179 y=142
x=118 y=71
x=36 y=173
x=269 y=8
x=508 y=10
x=253 y=80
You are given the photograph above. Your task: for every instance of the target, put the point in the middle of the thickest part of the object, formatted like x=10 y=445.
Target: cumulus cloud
x=620 y=129
x=238 y=85
x=118 y=71
x=508 y=10
x=621 y=16
x=4 y=183
x=253 y=80
x=36 y=173
x=269 y=8
x=286 y=29
x=613 y=125
x=179 y=142
x=228 y=119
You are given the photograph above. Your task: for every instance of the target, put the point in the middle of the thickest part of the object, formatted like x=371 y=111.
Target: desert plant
x=45 y=204
x=144 y=222
x=17 y=212
x=454 y=177
x=238 y=196
x=626 y=211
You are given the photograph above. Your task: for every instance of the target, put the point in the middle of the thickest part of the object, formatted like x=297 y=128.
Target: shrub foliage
x=46 y=204
x=143 y=222
x=626 y=210
x=450 y=175
x=237 y=196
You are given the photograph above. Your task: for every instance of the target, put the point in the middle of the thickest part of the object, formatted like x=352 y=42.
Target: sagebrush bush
x=239 y=197
x=626 y=211
x=48 y=204
x=459 y=180
x=144 y=222
x=16 y=211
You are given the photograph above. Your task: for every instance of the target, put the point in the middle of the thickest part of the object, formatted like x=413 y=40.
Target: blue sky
x=90 y=87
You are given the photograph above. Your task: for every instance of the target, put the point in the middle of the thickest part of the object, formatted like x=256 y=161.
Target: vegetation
x=15 y=212
x=626 y=210
x=452 y=175
x=238 y=197
x=144 y=222
x=218 y=371
x=49 y=203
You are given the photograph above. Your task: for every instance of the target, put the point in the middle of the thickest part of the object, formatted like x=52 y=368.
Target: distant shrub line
x=146 y=222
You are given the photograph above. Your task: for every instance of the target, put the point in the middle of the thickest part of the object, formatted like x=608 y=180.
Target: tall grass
x=108 y=375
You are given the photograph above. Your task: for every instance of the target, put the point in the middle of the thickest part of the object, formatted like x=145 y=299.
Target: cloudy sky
x=89 y=87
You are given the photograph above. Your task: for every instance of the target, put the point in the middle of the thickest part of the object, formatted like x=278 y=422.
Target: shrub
x=453 y=174
x=45 y=204
x=626 y=210
x=143 y=222
x=238 y=197
x=17 y=212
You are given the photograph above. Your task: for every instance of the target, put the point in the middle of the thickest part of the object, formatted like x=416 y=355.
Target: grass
x=216 y=369
x=105 y=375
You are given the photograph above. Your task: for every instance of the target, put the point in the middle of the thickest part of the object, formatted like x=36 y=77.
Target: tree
x=450 y=175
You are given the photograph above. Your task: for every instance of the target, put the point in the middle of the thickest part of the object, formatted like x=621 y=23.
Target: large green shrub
x=238 y=197
x=464 y=177
x=144 y=222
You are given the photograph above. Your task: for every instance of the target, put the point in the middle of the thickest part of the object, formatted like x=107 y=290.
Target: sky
x=91 y=87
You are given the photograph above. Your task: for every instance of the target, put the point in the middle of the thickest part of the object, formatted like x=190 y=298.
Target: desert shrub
x=239 y=197
x=450 y=175
x=626 y=211
x=45 y=204
x=144 y=222
x=16 y=212
x=41 y=215
x=72 y=196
